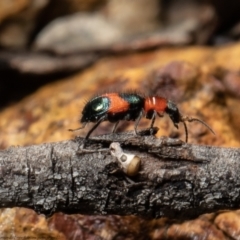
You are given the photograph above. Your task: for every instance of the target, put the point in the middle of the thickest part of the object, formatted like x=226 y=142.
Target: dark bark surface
x=176 y=179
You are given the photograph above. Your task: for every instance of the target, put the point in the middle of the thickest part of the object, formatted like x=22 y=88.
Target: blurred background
x=77 y=47
x=56 y=54
x=45 y=40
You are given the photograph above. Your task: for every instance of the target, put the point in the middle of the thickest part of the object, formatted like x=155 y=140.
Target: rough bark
x=176 y=179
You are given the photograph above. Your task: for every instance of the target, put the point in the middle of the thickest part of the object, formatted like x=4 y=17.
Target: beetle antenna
x=83 y=126
x=190 y=119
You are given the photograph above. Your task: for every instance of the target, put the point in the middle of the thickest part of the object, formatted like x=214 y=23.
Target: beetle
x=114 y=107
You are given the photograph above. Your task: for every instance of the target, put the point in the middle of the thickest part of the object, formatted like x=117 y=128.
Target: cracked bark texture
x=176 y=179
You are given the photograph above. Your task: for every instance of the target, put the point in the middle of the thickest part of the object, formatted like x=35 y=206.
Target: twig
x=176 y=179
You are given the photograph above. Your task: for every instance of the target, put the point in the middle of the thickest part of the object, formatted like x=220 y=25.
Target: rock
x=135 y=16
x=77 y=33
x=15 y=32
x=10 y=8
x=44 y=64
x=47 y=114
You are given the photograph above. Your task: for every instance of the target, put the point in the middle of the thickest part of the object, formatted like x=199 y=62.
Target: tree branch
x=176 y=179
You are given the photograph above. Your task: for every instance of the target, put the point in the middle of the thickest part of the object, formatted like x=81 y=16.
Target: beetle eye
x=98 y=106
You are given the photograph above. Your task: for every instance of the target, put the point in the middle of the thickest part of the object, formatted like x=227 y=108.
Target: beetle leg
x=115 y=127
x=137 y=122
